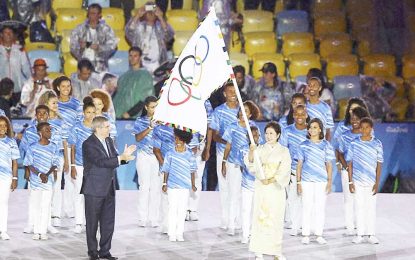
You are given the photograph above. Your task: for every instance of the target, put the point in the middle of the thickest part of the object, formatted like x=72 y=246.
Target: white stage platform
x=205 y=240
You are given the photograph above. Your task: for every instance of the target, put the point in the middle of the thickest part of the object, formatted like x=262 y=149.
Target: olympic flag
x=202 y=67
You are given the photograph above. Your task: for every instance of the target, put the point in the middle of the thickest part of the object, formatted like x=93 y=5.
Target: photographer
x=150 y=32
x=35 y=86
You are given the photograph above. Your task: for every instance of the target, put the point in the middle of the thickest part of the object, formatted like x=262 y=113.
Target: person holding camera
x=150 y=32
x=34 y=87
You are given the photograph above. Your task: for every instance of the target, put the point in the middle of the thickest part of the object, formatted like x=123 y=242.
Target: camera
x=151 y=7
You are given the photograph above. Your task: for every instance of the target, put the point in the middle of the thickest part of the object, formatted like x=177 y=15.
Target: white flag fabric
x=202 y=67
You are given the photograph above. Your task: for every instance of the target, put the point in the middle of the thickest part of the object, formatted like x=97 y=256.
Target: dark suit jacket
x=99 y=168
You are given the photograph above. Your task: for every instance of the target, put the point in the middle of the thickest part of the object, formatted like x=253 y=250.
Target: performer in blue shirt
x=314 y=179
x=179 y=169
x=223 y=116
x=42 y=158
x=365 y=157
x=292 y=136
x=343 y=145
x=78 y=134
x=317 y=108
x=8 y=171
x=236 y=139
x=147 y=166
x=298 y=99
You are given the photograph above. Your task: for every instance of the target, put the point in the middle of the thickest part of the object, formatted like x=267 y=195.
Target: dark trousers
x=99 y=210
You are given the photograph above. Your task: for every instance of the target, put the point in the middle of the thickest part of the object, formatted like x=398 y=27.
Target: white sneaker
x=373 y=240
x=231 y=231
x=44 y=237
x=52 y=230
x=245 y=240
x=56 y=222
x=180 y=239
x=321 y=240
x=187 y=216
x=36 y=237
x=305 y=240
x=172 y=238
x=78 y=229
x=293 y=232
x=357 y=240
x=4 y=236
x=193 y=216
x=142 y=223
x=28 y=230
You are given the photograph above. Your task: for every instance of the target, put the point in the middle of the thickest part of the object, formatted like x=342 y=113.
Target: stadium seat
x=238 y=58
x=341 y=108
x=297 y=43
x=259 y=59
x=411 y=91
x=102 y=3
x=70 y=64
x=56 y=4
x=69 y=18
x=139 y=3
x=187 y=5
x=335 y=43
x=30 y=46
x=51 y=57
x=408 y=69
x=362 y=6
x=379 y=65
x=327 y=5
x=300 y=63
x=257 y=21
x=346 y=87
x=235 y=44
x=342 y=65
x=328 y=24
x=180 y=40
x=292 y=21
x=122 y=41
x=114 y=17
x=399 y=107
x=118 y=63
x=182 y=20
x=54 y=75
x=363 y=47
x=398 y=82
x=258 y=42
x=65 y=45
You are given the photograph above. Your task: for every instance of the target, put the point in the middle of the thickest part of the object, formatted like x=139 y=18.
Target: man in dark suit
x=100 y=162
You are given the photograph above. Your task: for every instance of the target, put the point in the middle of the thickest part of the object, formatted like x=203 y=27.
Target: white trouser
x=178 y=199
x=247 y=203
x=150 y=190
x=223 y=190
x=41 y=210
x=234 y=177
x=4 y=202
x=164 y=207
x=68 y=193
x=314 y=207
x=365 y=203
x=348 y=201
x=79 y=198
x=30 y=207
x=195 y=196
x=57 y=192
x=294 y=202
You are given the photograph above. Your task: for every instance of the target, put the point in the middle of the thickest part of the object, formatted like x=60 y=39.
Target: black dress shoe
x=109 y=257
x=93 y=257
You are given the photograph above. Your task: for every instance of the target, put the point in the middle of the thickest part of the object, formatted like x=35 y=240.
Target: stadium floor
x=205 y=240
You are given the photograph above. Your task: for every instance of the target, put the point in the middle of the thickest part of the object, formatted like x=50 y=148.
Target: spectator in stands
x=14 y=62
x=246 y=83
x=109 y=83
x=6 y=93
x=4 y=11
x=271 y=94
x=379 y=109
x=149 y=31
x=34 y=87
x=84 y=80
x=94 y=39
x=326 y=94
x=133 y=86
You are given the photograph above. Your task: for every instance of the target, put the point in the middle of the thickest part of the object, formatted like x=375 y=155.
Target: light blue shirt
x=77 y=137
x=9 y=152
x=180 y=167
x=236 y=135
x=248 y=179
x=340 y=129
x=70 y=111
x=42 y=158
x=314 y=157
x=222 y=117
x=365 y=155
x=146 y=144
x=345 y=140
x=291 y=138
x=163 y=138
x=283 y=122
x=59 y=133
x=321 y=111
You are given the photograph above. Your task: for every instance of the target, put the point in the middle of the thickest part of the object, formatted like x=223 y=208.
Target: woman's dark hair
x=274 y=125
x=39 y=107
x=88 y=102
x=353 y=100
x=367 y=120
x=147 y=101
x=136 y=49
x=360 y=112
x=41 y=125
x=320 y=124
x=183 y=135
x=6 y=86
x=253 y=108
x=290 y=116
x=253 y=128
x=9 y=132
x=58 y=81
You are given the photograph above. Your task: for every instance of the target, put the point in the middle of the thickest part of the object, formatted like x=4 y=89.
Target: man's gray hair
x=97 y=122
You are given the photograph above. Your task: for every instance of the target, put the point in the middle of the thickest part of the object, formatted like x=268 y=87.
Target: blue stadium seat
x=292 y=21
x=118 y=63
x=102 y=3
x=51 y=57
x=346 y=87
